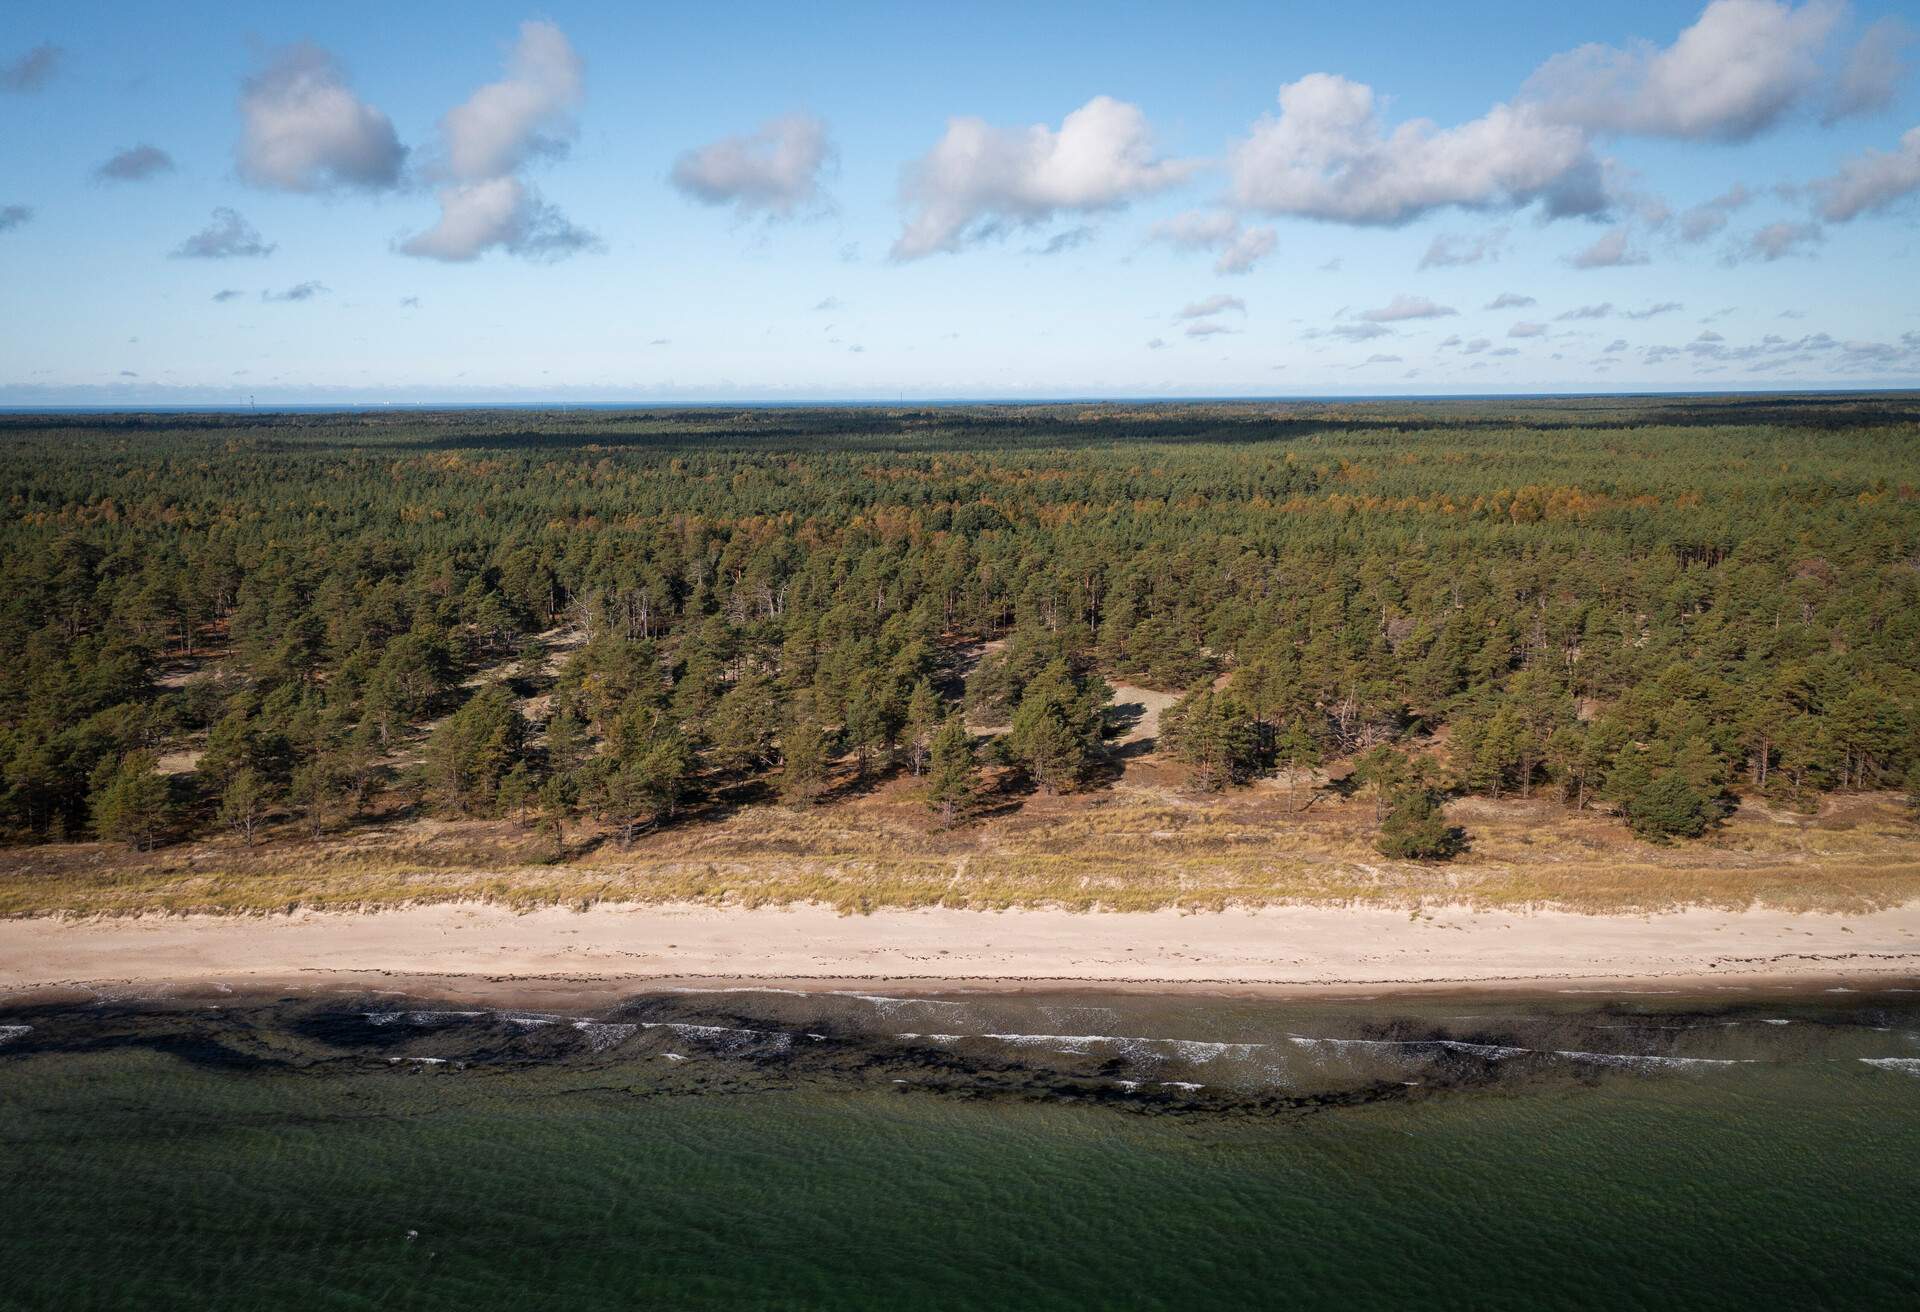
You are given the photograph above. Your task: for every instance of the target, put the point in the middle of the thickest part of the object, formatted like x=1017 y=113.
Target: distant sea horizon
x=372 y=405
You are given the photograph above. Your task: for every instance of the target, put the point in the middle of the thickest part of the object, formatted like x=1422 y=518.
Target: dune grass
x=1132 y=849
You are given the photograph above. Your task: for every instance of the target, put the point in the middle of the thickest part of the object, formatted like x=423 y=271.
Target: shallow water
x=768 y=1149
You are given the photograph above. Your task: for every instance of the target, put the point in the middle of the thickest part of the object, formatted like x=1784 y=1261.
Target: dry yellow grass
x=1138 y=847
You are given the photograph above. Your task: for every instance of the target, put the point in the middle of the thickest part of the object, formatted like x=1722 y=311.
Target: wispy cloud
x=1403 y=307
x=135 y=164
x=1612 y=250
x=31 y=71
x=1450 y=250
x=300 y=291
x=1212 y=305
x=228 y=237
x=1239 y=246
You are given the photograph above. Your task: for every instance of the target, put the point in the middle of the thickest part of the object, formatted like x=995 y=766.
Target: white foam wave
x=424 y=1061
x=889 y=1005
x=8 y=1033
x=745 y=988
x=1902 y=1065
x=1183 y=1085
x=1198 y=1051
x=726 y=1038
x=1491 y=1051
x=601 y=1035
x=1640 y=1061
x=419 y=1017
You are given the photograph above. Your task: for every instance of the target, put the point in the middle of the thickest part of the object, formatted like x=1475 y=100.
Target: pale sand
x=1269 y=949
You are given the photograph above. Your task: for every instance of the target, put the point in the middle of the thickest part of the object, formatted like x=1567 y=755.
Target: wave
x=602 y=1035
x=887 y=1004
x=419 y=1017
x=1491 y=1051
x=1636 y=1060
x=1198 y=1051
x=727 y=1038
x=8 y=1033
x=1902 y=1065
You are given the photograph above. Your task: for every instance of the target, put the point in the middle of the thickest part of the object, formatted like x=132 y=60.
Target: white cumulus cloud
x=526 y=113
x=1327 y=155
x=775 y=171
x=475 y=217
x=487 y=140
x=978 y=179
x=1731 y=75
x=303 y=129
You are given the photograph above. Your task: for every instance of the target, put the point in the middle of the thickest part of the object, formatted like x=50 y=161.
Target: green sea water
x=771 y=1151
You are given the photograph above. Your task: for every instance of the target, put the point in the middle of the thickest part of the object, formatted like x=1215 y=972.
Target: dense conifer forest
x=273 y=623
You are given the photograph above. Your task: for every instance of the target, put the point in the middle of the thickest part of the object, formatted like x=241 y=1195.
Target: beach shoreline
x=481 y=950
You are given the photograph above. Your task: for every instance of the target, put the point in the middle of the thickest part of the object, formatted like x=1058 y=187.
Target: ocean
x=324 y=1149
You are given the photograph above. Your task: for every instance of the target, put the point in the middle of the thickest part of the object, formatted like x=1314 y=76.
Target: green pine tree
x=951 y=787
x=1416 y=829
x=131 y=801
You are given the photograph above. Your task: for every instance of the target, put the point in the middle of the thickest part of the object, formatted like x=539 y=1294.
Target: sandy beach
x=1290 y=948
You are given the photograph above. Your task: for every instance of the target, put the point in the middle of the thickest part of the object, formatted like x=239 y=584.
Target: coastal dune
x=1279 y=948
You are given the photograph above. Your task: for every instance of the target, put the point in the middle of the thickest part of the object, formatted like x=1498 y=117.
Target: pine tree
x=741 y=734
x=1056 y=730
x=1295 y=752
x=1668 y=808
x=132 y=802
x=1416 y=829
x=244 y=802
x=922 y=723
x=472 y=750
x=951 y=787
x=1213 y=735
x=805 y=750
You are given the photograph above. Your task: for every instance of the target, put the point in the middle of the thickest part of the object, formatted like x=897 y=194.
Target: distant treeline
x=1638 y=604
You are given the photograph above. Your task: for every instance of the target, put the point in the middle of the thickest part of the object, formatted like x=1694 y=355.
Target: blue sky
x=603 y=201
